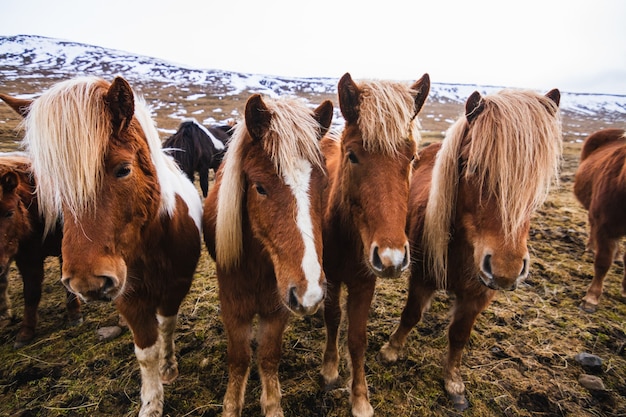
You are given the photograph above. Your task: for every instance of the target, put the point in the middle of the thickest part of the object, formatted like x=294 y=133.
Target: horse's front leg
x=359 y=301
x=332 y=320
x=269 y=352
x=466 y=309
x=239 y=355
x=5 y=301
x=418 y=301
x=168 y=365
x=143 y=323
x=32 y=276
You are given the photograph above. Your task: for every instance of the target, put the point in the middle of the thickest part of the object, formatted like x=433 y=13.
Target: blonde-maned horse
x=263 y=227
x=131 y=219
x=365 y=211
x=471 y=200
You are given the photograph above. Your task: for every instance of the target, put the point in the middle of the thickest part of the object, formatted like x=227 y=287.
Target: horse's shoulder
x=602 y=139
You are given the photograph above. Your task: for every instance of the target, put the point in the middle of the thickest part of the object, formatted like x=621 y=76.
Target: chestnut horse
x=471 y=200
x=21 y=228
x=365 y=212
x=263 y=226
x=131 y=219
x=197 y=148
x=600 y=186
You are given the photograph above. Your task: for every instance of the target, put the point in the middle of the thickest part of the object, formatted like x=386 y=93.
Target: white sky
x=573 y=45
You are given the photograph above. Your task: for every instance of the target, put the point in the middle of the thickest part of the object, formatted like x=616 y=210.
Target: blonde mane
x=67 y=135
x=514 y=150
x=291 y=139
x=387 y=116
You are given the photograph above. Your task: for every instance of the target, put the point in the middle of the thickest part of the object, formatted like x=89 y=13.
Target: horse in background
x=262 y=225
x=23 y=241
x=471 y=200
x=197 y=148
x=600 y=186
x=365 y=211
x=131 y=219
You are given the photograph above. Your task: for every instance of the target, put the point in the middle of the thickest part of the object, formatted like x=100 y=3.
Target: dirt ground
x=519 y=362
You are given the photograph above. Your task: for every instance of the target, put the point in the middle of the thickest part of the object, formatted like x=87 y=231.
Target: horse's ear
x=422 y=88
x=349 y=98
x=121 y=103
x=9 y=182
x=324 y=116
x=474 y=106
x=258 y=117
x=21 y=106
x=554 y=95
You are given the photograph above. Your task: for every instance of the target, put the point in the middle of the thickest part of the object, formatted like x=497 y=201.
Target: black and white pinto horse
x=198 y=148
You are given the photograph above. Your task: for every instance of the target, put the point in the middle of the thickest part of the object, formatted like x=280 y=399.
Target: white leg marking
x=151 y=386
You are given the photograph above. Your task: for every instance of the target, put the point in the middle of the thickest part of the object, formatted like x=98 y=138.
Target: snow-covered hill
x=32 y=56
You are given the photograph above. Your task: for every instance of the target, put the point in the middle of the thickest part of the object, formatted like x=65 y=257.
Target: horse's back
x=602 y=170
x=600 y=139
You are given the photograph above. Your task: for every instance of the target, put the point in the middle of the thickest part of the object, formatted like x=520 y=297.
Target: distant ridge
x=29 y=56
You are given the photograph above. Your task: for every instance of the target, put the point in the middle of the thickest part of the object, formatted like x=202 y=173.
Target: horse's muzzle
x=100 y=287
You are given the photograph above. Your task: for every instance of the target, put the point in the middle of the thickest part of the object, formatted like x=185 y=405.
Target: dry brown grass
x=520 y=360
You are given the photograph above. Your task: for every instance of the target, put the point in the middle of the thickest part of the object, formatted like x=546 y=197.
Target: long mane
x=387 y=116
x=292 y=138
x=67 y=134
x=514 y=147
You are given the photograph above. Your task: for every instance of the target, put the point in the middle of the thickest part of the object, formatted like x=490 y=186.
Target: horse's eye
x=352 y=157
x=259 y=189
x=122 y=171
x=9 y=214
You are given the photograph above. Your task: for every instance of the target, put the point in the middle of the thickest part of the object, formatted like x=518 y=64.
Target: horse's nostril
x=524 y=271
x=108 y=283
x=407 y=256
x=293 y=298
x=487 y=265
x=376 y=261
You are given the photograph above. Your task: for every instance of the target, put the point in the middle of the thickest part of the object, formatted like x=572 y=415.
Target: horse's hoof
x=587 y=307
x=169 y=374
x=459 y=402
x=74 y=321
x=387 y=355
x=327 y=386
x=24 y=337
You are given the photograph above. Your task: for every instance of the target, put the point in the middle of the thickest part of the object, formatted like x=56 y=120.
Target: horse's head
x=282 y=178
x=93 y=166
x=14 y=221
x=508 y=159
x=378 y=145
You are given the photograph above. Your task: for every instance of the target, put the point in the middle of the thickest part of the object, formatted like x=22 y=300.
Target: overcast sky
x=573 y=45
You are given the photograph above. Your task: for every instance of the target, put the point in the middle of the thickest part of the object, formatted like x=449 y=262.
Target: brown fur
x=469 y=213
x=131 y=228
x=22 y=229
x=366 y=206
x=251 y=229
x=600 y=186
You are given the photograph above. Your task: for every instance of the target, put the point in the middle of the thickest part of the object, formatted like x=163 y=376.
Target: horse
x=262 y=225
x=471 y=200
x=365 y=210
x=131 y=218
x=21 y=228
x=197 y=148
x=600 y=186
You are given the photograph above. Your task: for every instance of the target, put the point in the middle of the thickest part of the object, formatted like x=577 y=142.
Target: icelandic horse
x=23 y=241
x=600 y=186
x=198 y=148
x=131 y=219
x=365 y=211
x=471 y=200
x=262 y=225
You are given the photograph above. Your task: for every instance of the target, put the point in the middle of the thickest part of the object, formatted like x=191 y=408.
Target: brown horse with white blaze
x=471 y=200
x=263 y=226
x=131 y=219
x=21 y=228
x=600 y=186
x=365 y=211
